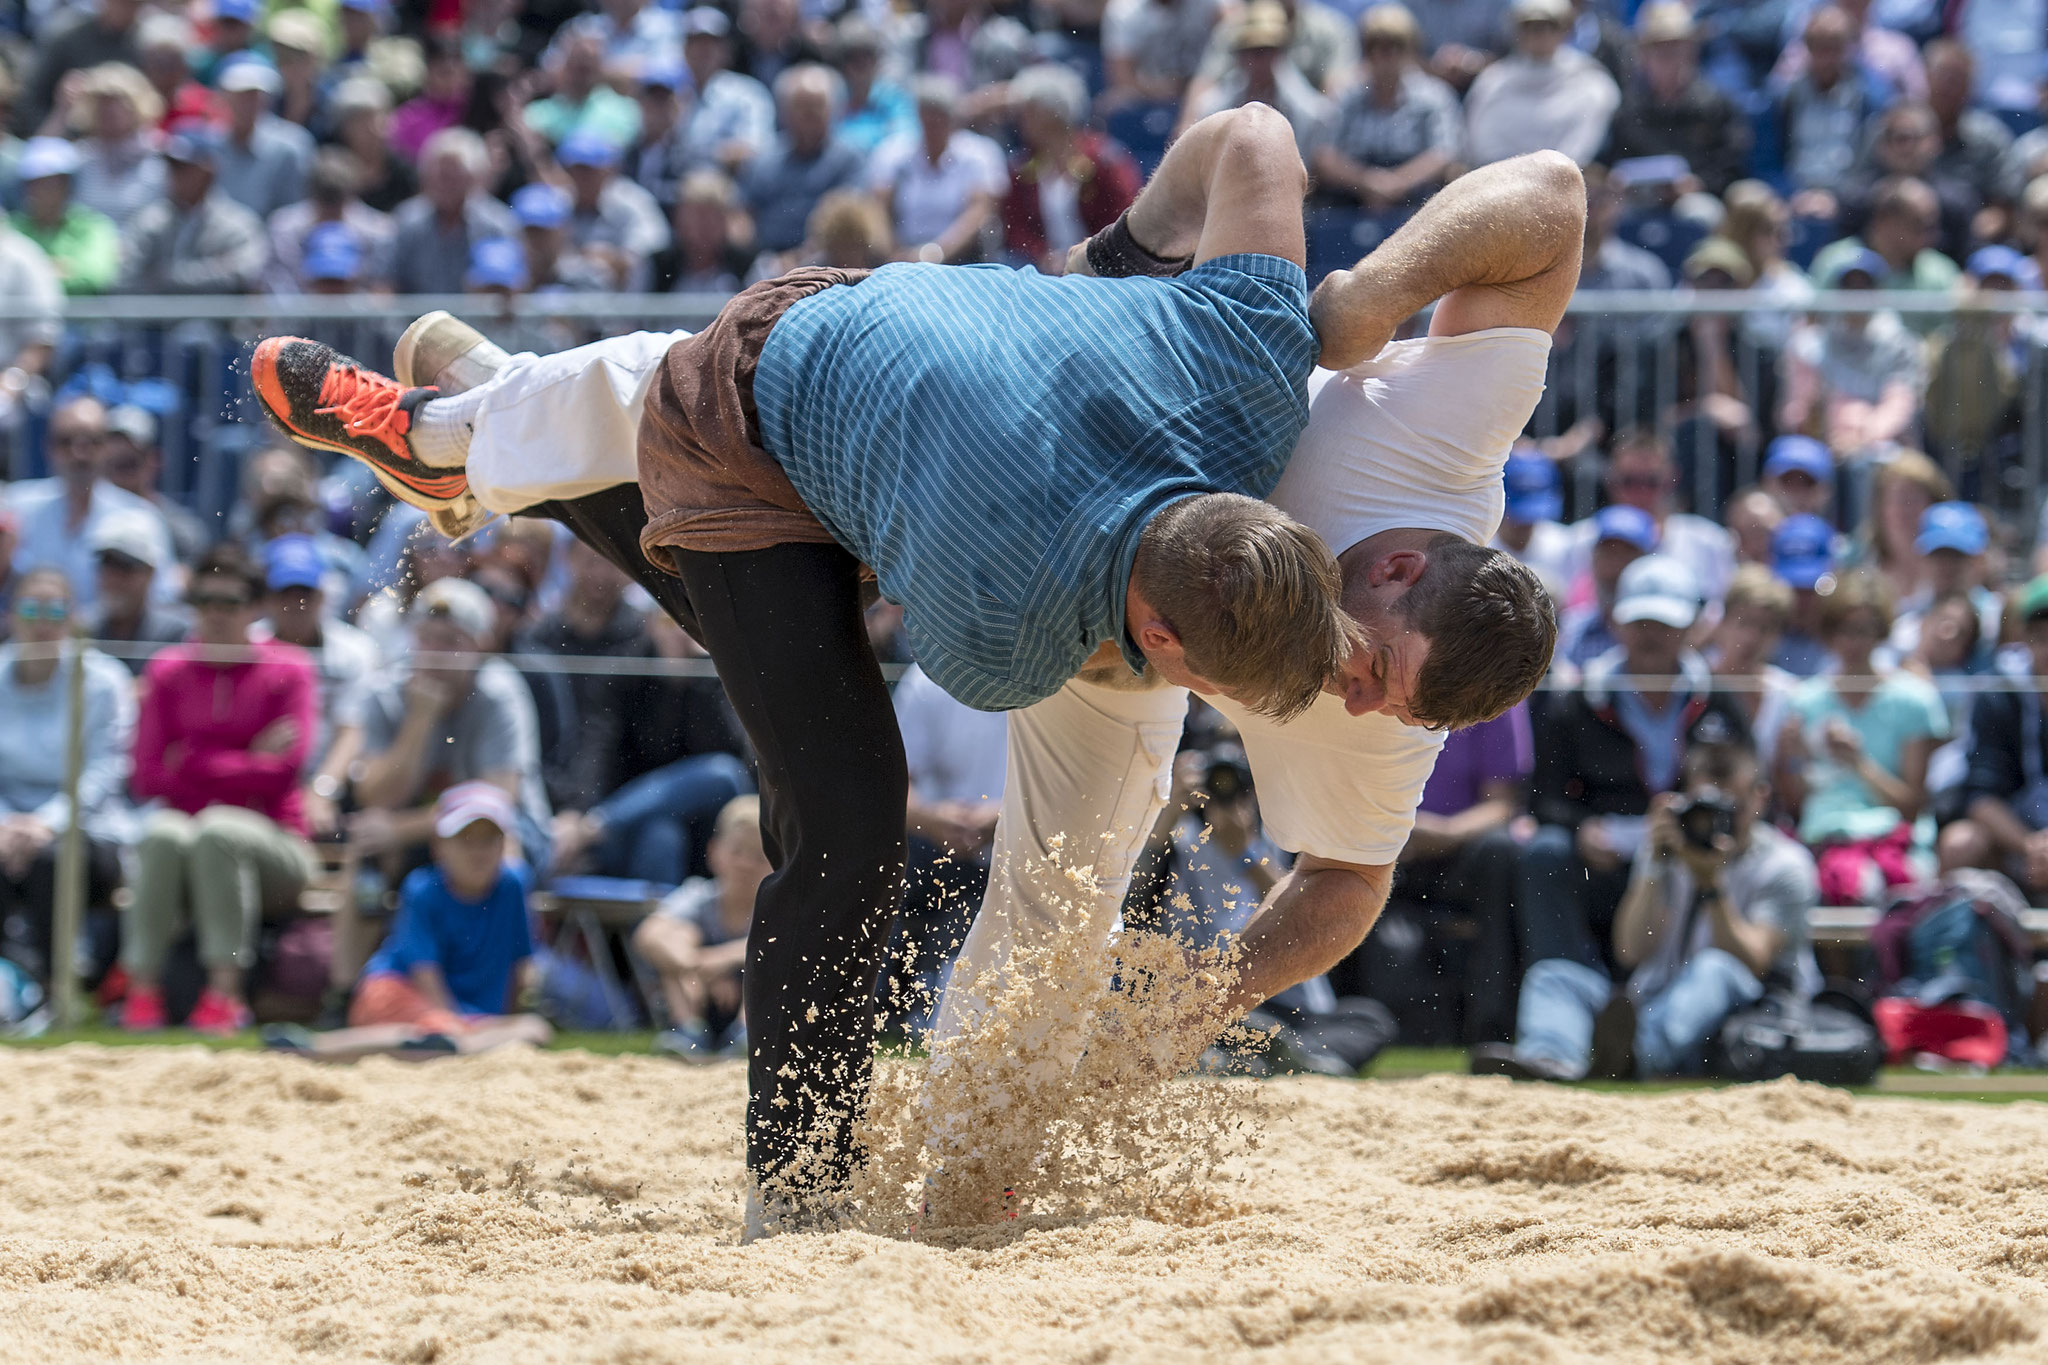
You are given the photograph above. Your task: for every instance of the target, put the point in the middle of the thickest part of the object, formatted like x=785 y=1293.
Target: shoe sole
x=263 y=377
x=428 y=352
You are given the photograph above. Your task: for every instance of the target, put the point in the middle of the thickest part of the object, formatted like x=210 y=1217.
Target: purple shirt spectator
x=1499 y=750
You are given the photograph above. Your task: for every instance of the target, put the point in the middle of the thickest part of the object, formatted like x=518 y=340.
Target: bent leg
x=785 y=627
x=560 y=426
x=1673 y=1027
x=1090 y=768
x=157 y=914
x=1560 y=1000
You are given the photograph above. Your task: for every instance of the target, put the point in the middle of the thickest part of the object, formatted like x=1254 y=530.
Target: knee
x=729 y=771
x=1964 y=844
x=1561 y=972
x=166 y=834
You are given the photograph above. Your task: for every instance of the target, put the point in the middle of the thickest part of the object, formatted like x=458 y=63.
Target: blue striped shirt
x=992 y=441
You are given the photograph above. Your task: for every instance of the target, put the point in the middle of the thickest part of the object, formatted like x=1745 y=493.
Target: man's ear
x=1157 y=637
x=1398 y=568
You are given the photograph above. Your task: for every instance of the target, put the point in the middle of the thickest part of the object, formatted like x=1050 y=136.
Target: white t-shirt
x=954 y=752
x=1414 y=437
x=928 y=197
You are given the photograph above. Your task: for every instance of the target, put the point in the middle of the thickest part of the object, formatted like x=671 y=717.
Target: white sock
x=442 y=428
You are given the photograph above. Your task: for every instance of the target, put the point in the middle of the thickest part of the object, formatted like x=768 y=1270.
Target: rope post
x=69 y=917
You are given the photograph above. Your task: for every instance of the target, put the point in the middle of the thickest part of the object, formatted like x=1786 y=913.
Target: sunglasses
x=42 y=609
x=217 y=601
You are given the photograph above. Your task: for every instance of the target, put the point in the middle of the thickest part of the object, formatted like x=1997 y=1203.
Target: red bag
x=1967 y=1031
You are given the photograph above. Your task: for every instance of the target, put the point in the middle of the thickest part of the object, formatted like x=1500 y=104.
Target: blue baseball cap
x=1625 y=523
x=541 y=205
x=1803 y=550
x=1952 y=526
x=2002 y=262
x=1799 y=455
x=293 y=562
x=192 y=144
x=1867 y=262
x=366 y=6
x=244 y=10
x=664 y=75
x=332 y=253
x=1532 y=487
x=587 y=149
x=497 y=262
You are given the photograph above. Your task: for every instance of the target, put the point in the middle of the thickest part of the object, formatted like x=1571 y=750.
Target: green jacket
x=85 y=248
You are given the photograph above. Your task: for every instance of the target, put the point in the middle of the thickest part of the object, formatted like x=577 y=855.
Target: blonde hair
x=1757 y=588
x=1753 y=207
x=737 y=818
x=1255 y=597
x=1908 y=466
x=124 y=81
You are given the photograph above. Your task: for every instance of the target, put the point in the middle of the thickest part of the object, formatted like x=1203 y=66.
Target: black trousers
x=28 y=904
x=785 y=627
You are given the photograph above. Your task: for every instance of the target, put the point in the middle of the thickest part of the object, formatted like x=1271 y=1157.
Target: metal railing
x=1625 y=358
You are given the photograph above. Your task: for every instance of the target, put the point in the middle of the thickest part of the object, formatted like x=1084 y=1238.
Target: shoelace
x=366 y=404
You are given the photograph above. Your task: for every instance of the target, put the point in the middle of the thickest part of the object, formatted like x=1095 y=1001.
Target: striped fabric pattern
x=992 y=441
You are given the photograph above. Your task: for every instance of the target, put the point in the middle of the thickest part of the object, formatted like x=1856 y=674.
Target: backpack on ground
x=1831 y=1039
x=1958 y=939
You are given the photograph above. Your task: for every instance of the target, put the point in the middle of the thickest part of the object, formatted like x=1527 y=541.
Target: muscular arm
x=1316 y=915
x=1233 y=182
x=1500 y=246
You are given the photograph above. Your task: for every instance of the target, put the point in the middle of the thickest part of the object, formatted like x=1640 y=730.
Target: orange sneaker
x=325 y=400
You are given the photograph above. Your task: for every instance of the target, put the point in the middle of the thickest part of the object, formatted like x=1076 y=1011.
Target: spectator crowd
x=1791 y=576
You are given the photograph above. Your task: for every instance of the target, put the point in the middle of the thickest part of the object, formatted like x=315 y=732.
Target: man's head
x=1667 y=47
x=1540 y=27
x=1905 y=215
x=1621 y=535
x=471 y=821
x=1050 y=103
x=1949 y=632
x=46 y=168
x=1259 y=40
x=362 y=23
x=1725 y=773
x=735 y=855
x=447 y=75
x=126 y=547
x=293 y=572
x=1656 y=603
x=452 y=618
x=123 y=101
x=1754 y=616
x=1829 y=34
x=2033 y=607
x=1800 y=473
x=1640 y=472
x=1951 y=74
x=808 y=97
x=543 y=211
x=42 y=606
x=1454 y=634
x=78 y=438
x=1230 y=595
x=225 y=593
x=1954 y=537
x=299 y=45
x=234 y=24
x=707 y=43
x=1390 y=38
x=248 y=86
x=1908 y=140
x=591 y=161
x=581 y=58
x=1753 y=518
x=595 y=583
x=189 y=161
x=660 y=87
x=1534 y=490
x=453 y=164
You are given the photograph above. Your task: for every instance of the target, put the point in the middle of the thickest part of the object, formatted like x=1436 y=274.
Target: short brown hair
x=1854 y=592
x=1755 y=586
x=1255 y=597
x=1491 y=628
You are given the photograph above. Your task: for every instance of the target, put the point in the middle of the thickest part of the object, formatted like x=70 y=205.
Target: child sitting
x=461 y=943
x=697 y=940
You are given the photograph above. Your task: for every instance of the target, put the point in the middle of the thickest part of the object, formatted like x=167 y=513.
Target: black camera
x=1703 y=817
x=1227 y=775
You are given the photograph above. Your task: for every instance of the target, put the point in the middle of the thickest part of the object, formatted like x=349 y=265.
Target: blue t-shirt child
x=476 y=944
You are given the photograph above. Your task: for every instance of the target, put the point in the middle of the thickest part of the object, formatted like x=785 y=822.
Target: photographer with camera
x=1715 y=909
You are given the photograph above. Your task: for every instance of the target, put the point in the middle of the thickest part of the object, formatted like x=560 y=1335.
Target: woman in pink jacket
x=220 y=741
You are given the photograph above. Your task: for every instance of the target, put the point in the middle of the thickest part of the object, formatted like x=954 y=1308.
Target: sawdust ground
x=178 y=1204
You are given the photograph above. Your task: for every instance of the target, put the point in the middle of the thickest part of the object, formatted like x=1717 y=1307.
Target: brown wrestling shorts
x=707 y=482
